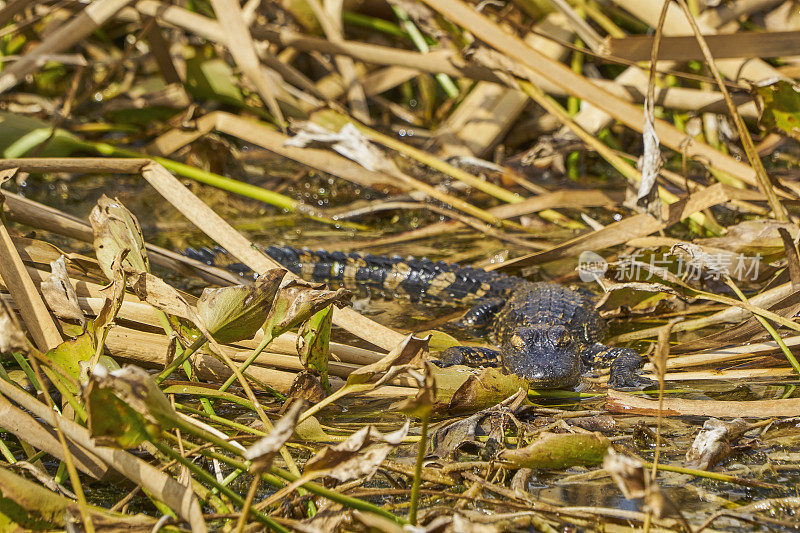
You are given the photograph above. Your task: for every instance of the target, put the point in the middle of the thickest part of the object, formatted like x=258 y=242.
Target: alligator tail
x=417 y=279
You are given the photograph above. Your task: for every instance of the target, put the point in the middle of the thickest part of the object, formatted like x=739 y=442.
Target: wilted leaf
x=713 y=443
x=12 y=338
x=27 y=506
x=634 y=480
x=236 y=313
x=348 y=141
x=753 y=236
x=451 y=435
x=159 y=294
x=632 y=294
x=115 y=229
x=421 y=404
x=59 y=293
x=313 y=345
x=781 y=108
x=628 y=473
x=489 y=387
x=112 y=305
x=262 y=452
x=306 y=386
x=556 y=451
x=126 y=406
x=297 y=301
x=360 y=455
x=411 y=351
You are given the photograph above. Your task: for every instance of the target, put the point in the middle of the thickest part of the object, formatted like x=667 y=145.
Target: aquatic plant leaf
x=488 y=388
x=130 y=397
x=72 y=354
x=781 y=108
x=116 y=229
x=236 y=313
x=113 y=423
x=20 y=134
x=262 y=452
x=59 y=294
x=297 y=301
x=556 y=451
x=313 y=344
x=212 y=79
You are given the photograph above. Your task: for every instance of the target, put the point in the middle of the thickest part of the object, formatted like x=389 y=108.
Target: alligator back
x=553 y=305
x=417 y=279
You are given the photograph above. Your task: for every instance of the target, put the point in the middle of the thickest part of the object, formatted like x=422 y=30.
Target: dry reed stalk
x=722 y=46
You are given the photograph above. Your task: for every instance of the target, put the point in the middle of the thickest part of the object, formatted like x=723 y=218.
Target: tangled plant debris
x=149 y=389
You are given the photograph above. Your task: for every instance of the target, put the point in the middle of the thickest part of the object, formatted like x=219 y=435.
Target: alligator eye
x=517 y=342
x=560 y=337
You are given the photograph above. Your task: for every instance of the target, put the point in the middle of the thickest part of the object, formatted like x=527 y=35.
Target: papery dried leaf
x=297 y=301
x=348 y=141
x=113 y=304
x=633 y=479
x=159 y=294
x=329 y=518
x=115 y=229
x=628 y=473
x=348 y=459
x=307 y=385
x=12 y=338
x=411 y=351
x=753 y=236
x=263 y=451
x=451 y=435
x=713 y=442
x=236 y=313
x=59 y=293
x=421 y=404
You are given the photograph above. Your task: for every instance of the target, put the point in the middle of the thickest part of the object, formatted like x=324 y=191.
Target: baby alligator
x=545 y=332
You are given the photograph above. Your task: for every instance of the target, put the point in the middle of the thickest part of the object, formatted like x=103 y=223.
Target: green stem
x=208 y=478
x=262 y=345
x=423 y=444
x=178 y=361
x=278 y=475
x=221 y=182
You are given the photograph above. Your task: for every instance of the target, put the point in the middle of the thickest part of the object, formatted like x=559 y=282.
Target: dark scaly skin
x=545 y=332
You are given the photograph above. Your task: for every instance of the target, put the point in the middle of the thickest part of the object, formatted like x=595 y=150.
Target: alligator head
x=546 y=355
